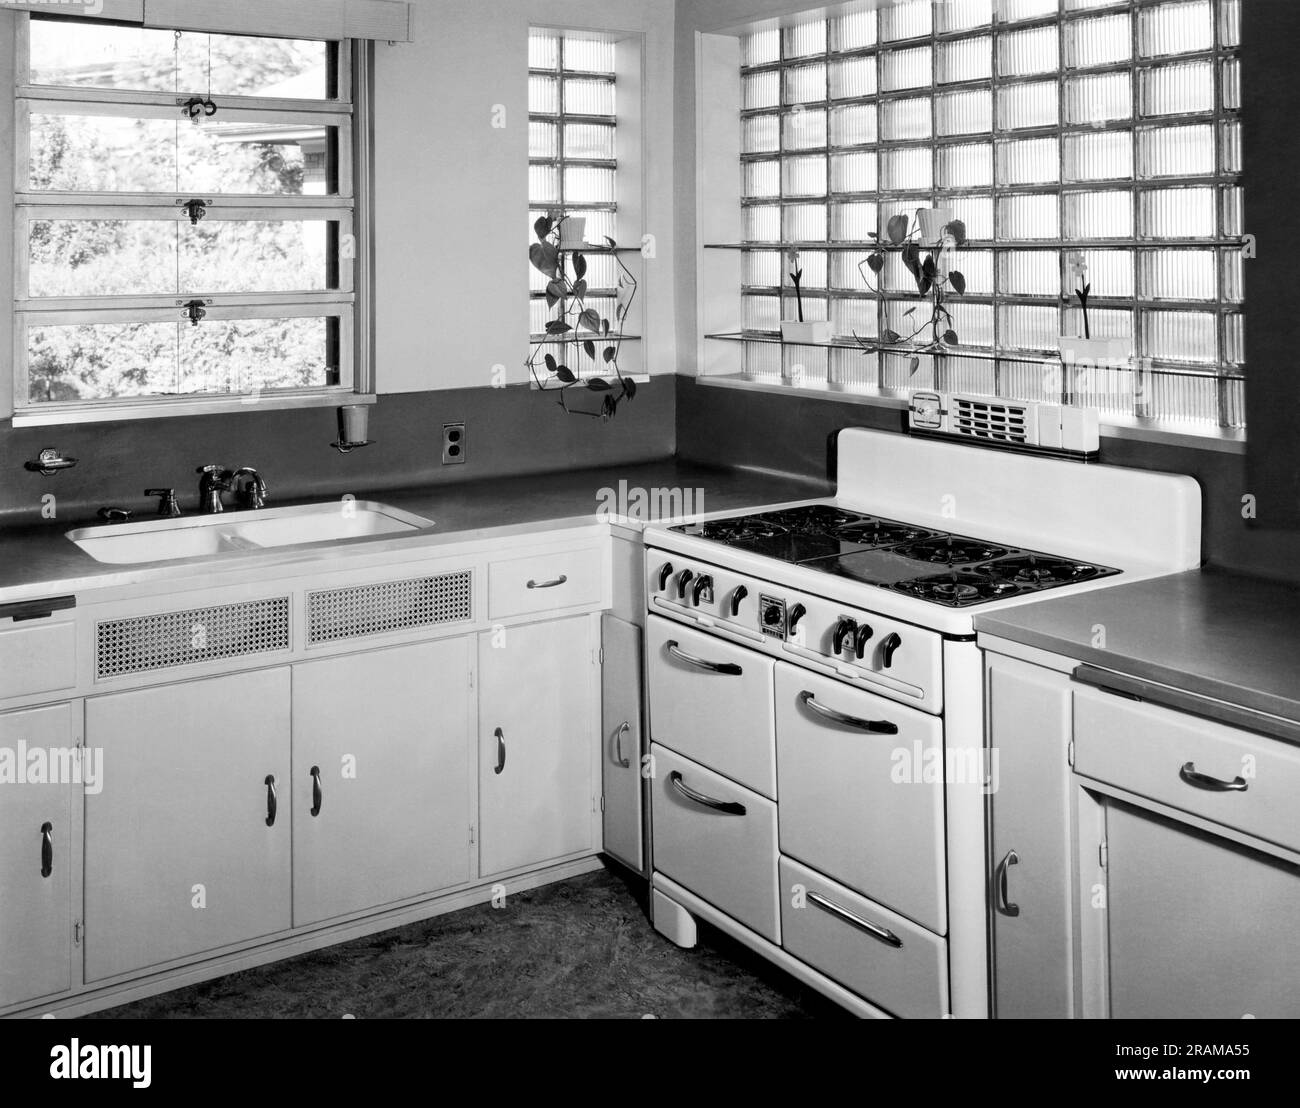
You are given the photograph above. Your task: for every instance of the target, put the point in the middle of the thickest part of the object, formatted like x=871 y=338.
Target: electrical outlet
x=453 y=444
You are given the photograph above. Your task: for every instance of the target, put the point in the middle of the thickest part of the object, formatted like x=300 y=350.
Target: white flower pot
x=1094 y=352
x=932 y=221
x=573 y=233
x=805 y=333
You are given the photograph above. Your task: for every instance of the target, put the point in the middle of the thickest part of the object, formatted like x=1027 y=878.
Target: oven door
x=712 y=701
x=862 y=792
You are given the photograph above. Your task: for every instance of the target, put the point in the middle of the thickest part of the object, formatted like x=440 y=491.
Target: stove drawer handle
x=880 y=934
x=1198 y=780
x=875 y=726
x=729 y=668
x=727 y=807
x=548 y=584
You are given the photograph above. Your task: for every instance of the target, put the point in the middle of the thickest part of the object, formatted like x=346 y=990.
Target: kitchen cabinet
x=36 y=862
x=381 y=777
x=1029 y=731
x=537 y=721
x=188 y=842
x=620 y=757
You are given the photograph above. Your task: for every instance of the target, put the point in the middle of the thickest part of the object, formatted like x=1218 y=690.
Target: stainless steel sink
x=200 y=536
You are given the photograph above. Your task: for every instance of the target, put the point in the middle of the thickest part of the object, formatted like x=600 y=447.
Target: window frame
x=346 y=308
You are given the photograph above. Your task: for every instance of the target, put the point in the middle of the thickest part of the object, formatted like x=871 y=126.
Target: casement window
x=584 y=162
x=1079 y=141
x=187 y=224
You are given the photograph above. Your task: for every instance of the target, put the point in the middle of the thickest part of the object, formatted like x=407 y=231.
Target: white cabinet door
x=36 y=855
x=187 y=843
x=381 y=755
x=1029 y=731
x=620 y=757
x=537 y=721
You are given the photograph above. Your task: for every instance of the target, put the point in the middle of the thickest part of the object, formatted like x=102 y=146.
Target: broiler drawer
x=881 y=956
x=712 y=701
x=717 y=839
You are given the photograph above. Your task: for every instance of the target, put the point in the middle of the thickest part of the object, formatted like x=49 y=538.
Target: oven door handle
x=729 y=668
x=875 y=726
x=880 y=934
x=728 y=807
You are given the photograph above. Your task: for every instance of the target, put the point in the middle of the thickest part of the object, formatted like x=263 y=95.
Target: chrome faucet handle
x=167 y=505
x=213 y=481
x=114 y=515
x=254 y=491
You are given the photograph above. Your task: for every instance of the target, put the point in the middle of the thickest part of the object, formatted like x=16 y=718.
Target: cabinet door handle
x=729 y=807
x=623 y=729
x=548 y=584
x=47 y=849
x=271 y=800
x=315 y=791
x=729 y=668
x=1189 y=773
x=880 y=934
x=1003 y=904
x=501 y=750
x=875 y=726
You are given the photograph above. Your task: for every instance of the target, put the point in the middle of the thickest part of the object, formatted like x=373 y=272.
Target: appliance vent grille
x=358 y=610
x=142 y=643
x=989 y=419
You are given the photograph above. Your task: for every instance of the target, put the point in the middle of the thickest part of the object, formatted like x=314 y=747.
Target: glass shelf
x=987 y=244
x=870 y=347
x=599 y=340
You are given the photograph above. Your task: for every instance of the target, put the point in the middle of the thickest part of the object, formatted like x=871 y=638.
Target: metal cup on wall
x=354 y=422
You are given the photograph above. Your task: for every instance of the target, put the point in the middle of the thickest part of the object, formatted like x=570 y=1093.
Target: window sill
x=1221 y=439
x=55 y=415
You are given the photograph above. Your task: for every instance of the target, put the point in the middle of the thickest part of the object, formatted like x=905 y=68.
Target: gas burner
x=952 y=550
x=1038 y=571
x=744 y=529
x=955 y=591
x=812 y=518
x=877 y=533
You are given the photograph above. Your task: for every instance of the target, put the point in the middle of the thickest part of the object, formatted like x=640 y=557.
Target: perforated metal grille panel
x=167 y=639
x=989 y=420
x=388 y=606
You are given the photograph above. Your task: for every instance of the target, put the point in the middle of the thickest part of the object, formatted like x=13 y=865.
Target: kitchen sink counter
x=1211 y=633
x=40 y=561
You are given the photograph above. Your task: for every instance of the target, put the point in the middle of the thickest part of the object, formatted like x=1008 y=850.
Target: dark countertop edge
x=475 y=508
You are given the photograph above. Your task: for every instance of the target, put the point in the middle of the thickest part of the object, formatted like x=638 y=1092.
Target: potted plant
x=578 y=332
x=1086 y=351
x=799 y=330
x=926 y=248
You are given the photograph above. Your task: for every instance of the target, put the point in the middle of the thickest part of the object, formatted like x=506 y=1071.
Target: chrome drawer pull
x=548 y=584
x=623 y=729
x=730 y=807
x=47 y=849
x=713 y=667
x=880 y=934
x=1211 y=784
x=875 y=726
x=1002 y=904
x=501 y=751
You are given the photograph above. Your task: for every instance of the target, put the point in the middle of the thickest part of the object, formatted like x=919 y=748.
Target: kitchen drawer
x=881 y=956
x=1157 y=753
x=717 y=839
x=37 y=656
x=857 y=802
x=546 y=582
x=712 y=701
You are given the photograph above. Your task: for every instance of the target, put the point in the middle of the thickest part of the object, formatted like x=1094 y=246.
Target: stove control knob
x=860 y=641
x=683 y=579
x=843 y=630
x=737 y=595
x=664 y=571
x=703 y=587
x=772 y=615
x=796 y=614
x=888 y=645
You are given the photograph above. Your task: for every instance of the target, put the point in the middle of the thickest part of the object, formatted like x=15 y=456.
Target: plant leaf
x=958 y=282
x=909 y=311
x=950 y=337
x=604 y=325
x=598 y=384
x=565 y=374
x=929 y=268
x=958 y=231
x=609 y=354
x=896 y=228
x=579 y=266
x=543 y=227
x=590 y=319
x=579 y=289
x=589 y=348
x=913 y=364
x=629 y=387
x=544 y=257
x=876 y=261
x=923 y=284
x=557 y=327
x=610 y=243
x=551 y=363
x=889 y=336
x=912 y=258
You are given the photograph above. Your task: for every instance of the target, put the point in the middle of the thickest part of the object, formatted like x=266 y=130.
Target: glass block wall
x=1079 y=140
x=571 y=156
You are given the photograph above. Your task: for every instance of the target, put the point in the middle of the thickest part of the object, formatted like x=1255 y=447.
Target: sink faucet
x=254 y=491
x=213 y=481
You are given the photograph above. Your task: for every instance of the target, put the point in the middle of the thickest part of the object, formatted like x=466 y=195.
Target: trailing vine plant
x=577 y=327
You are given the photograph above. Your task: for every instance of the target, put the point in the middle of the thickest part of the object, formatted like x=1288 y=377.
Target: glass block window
x=1079 y=141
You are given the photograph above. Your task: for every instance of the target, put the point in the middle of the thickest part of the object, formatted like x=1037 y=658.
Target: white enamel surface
x=208 y=535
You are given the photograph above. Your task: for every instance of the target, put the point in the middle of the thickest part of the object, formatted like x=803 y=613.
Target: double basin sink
x=201 y=536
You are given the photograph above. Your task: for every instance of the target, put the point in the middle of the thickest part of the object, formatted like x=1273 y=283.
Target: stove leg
x=672 y=921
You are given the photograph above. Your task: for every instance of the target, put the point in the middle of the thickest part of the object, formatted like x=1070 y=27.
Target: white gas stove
x=842 y=607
